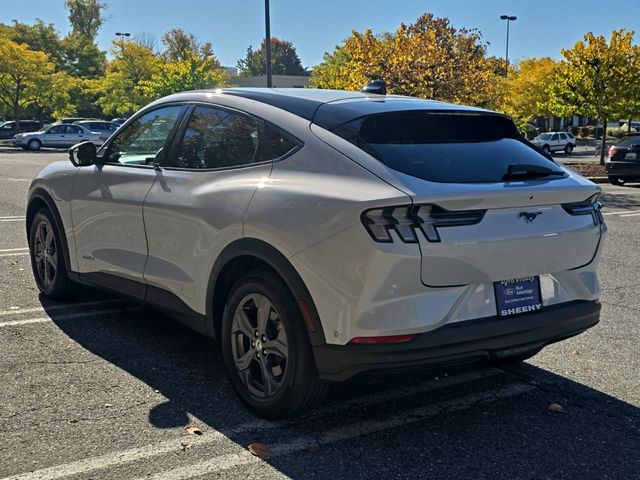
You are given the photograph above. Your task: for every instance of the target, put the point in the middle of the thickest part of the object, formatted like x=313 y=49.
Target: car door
x=54 y=136
x=8 y=130
x=107 y=199
x=74 y=134
x=196 y=206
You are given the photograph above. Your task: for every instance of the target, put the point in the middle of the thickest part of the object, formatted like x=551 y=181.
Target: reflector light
x=378 y=340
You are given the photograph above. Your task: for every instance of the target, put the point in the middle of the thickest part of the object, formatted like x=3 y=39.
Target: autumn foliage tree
x=284 y=60
x=428 y=58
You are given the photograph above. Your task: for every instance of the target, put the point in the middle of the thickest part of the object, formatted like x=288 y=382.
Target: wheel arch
x=39 y=199
x=246 y=254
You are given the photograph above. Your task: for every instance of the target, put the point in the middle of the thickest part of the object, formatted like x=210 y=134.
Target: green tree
x=39 y=36
x=122 y=90
x=85 y=17
x=284 y=60
x=82 y=58
x=591 y=80
x=181 y=46
x=192 y=73
x=22 y=75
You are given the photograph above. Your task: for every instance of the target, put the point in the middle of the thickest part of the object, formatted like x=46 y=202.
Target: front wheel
x=48 y=257
x=546 y=149
x=34 y=145
x=266 y=348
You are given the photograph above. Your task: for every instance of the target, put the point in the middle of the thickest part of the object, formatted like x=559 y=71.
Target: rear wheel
x=34 y=145
x=568 y=148
x=616 y=181
x=266 y=349
x=48 y=256
x=546 y=149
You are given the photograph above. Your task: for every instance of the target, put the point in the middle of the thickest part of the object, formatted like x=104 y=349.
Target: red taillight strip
x=378 y=340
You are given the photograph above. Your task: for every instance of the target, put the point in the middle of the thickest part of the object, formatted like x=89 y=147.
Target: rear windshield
x=628 y=141
x=443 y=147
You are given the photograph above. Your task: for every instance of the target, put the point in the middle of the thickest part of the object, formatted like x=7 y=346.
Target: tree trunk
x=604 y=140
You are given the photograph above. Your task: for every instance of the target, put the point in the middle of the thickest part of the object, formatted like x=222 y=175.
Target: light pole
x=267 y=43
x=508 y=18
x=122 y=35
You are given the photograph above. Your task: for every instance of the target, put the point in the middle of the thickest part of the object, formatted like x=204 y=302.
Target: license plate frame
x=518 y=296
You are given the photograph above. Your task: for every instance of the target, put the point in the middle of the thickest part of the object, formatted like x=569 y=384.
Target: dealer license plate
x=520 y=295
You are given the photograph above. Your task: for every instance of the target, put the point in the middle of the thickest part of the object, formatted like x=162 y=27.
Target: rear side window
x=443 y=147
x=277 y=144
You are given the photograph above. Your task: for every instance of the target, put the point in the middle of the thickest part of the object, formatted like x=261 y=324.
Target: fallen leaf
x=575 y=352
x=193 y=430
x=260 y=450
x=555 y=407
x=108 y=405
x=184 y=446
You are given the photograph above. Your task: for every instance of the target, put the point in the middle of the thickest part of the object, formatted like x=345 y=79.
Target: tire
x=616 y=181
x=568 y=148
x=48 y=258
x=546 y=149
x=34 y=144
x=293 y=386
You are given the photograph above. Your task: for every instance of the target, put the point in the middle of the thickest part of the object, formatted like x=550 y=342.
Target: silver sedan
x=58 y=136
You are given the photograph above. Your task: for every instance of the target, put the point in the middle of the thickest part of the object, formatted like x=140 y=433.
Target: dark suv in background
x=8 y=129
x=623 y=160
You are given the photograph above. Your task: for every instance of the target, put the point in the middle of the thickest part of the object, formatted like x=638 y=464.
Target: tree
x=181 y=46
x=25 y=79
x=592 y=78
x=85 y=17
x=284 y=60
x=429 y=58
x=191 y=74
x=122 y=90
x=527 y=90
x=39 y=37
x=630 y=107
x=81 y=57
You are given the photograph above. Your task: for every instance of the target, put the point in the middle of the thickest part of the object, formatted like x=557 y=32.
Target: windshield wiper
x=525 y=170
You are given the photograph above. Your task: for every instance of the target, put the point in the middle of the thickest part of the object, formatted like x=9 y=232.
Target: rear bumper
x=470 y=341
x=623 y=169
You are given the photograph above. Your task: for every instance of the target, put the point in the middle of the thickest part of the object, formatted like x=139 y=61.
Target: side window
x=142 y=142
x=563 y=136
x=57 y=129
x=554 y=137
x=277 y=145
x=74 y=129
x=217 y=138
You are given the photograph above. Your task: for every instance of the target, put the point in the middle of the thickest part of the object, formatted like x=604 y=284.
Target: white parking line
x=211 y=437
x=15 y=219
x=225 y=462
x=14 y=254
x=64 y=306
x=4 y=250
x=622 y=212
x=630 y=215
x=69 y=316
x=12 y=217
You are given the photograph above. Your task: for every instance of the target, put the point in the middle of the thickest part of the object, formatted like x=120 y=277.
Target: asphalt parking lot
x=101 y=388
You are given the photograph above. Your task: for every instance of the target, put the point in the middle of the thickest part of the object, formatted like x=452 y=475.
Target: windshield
x=443 y=147
x=543 y=136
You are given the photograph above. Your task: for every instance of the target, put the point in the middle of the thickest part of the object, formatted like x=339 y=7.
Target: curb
x=599 y=179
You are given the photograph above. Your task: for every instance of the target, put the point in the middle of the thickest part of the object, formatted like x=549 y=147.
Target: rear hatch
x=487 y=206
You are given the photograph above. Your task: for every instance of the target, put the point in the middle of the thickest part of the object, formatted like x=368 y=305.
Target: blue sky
x=542 y=29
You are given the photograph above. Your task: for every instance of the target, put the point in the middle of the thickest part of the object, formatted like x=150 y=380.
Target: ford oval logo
x=528 y=217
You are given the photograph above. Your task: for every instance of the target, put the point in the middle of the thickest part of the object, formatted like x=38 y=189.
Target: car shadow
x=516 y=437
x=621 y=201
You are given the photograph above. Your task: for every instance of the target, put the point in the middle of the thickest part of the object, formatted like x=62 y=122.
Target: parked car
x=70 y=120
x=8 y=129
x=62 y=135
x=99 y=126
x=555 y=142
x=119 y=121
x=623 y=160
x=321 y=234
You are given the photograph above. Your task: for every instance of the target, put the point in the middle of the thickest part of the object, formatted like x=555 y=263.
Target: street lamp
x=122 y=35
x=508 y=18
x=267 y=43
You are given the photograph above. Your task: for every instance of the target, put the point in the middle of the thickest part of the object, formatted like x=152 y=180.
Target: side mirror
x=83 y=154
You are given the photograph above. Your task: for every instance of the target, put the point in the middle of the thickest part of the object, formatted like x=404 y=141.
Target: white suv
x=555 y=142
x=321 y=234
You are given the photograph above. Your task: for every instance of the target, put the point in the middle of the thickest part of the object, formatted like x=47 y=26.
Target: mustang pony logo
x=528 y=217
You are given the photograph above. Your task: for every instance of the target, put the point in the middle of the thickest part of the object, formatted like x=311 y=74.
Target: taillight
x=591 y=206
x=409 y=220
x=613 y=150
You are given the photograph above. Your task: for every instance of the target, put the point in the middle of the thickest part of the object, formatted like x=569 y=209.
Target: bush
x=616 y=132
x=584 y=131
x=574 y=130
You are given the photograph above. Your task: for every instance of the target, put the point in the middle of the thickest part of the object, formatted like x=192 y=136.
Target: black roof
x=331 y=108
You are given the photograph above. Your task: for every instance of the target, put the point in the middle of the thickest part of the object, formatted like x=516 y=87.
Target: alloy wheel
x=259 y=345
x=45 y=252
